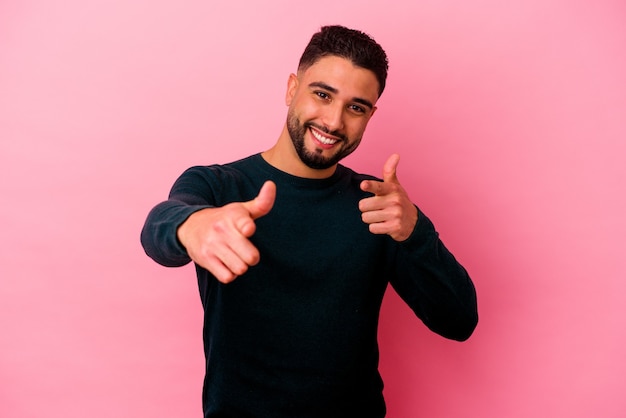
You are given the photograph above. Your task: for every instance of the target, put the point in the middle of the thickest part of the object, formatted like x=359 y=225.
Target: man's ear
x=292 y=85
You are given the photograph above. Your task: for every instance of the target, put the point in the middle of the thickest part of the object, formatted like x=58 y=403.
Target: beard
x=315 y=159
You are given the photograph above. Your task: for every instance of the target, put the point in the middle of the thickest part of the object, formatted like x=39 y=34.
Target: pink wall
x=511 y=121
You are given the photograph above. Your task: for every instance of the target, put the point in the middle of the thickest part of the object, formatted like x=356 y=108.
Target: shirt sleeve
x=190 y=193
x=434 y=284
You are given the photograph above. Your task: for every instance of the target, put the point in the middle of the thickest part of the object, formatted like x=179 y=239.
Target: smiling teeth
x=323 y=139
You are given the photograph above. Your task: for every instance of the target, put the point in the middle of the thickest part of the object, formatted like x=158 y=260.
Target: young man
x=294 y=251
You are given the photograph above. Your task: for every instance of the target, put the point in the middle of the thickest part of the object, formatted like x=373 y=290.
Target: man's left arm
x=428 y=277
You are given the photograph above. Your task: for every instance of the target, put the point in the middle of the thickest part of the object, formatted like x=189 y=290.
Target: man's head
x=331 y=99
x=353 y=45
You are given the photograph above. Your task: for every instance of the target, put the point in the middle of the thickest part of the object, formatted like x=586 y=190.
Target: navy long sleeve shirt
x=295 y=336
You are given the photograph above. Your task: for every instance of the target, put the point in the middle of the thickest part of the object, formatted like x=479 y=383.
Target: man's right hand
x=217 y=238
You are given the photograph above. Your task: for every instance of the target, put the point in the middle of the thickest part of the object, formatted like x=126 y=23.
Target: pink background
x=510 y=117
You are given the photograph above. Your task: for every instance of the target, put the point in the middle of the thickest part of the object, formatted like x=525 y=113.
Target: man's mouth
x=322 y=138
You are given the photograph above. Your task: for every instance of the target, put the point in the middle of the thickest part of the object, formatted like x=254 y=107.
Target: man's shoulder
x=233 y=168
x=354 y=175
x=221 y=183
x=251 y=161
x=220 y=175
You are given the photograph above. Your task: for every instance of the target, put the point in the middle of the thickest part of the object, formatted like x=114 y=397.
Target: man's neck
x=284 y=157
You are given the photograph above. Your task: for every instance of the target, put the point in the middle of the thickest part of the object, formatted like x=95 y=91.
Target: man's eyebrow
x=323 y=86
x=364 y=102
x=333 y=90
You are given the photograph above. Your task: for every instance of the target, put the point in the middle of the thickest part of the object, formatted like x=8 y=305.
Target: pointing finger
x=389 y=176
x=373 y=186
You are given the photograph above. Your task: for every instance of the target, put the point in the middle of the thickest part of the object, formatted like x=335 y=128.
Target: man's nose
x=333 y=117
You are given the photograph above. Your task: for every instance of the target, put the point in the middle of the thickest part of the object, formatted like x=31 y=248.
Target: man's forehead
x=340 y=73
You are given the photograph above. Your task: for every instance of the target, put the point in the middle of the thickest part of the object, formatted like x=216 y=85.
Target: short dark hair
x=356 y=46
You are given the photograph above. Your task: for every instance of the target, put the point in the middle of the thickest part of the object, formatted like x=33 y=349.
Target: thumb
x=263 y=203
x=390 y=167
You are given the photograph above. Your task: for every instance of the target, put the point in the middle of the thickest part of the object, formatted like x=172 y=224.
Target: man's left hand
x=389 y=211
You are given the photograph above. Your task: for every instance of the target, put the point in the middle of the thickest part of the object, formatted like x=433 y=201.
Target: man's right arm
x=159 y=234
x=185 y=228
x=218 y=238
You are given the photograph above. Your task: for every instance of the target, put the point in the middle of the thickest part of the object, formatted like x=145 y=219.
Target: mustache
x=326 y=130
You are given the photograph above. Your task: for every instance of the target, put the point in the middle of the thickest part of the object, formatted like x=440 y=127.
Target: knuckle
x=395 y=199
x=219 y=226
x=252 y=259
x=227 y=277
x=240 y=269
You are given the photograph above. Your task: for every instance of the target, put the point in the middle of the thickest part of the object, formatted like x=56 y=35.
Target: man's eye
x=322 y=95
x=357 y=109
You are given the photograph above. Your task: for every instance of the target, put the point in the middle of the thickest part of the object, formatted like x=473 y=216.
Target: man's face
x=329 y=106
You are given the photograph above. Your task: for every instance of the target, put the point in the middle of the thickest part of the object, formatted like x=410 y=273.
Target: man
x=294 y=251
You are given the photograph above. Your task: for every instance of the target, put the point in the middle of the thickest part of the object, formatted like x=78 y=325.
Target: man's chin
x=317 y=161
